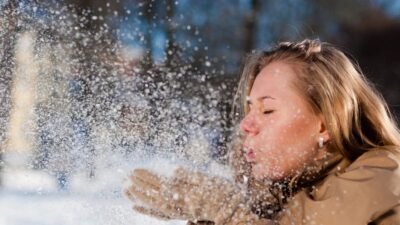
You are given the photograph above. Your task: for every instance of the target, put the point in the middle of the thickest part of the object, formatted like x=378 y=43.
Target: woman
x=317 y=146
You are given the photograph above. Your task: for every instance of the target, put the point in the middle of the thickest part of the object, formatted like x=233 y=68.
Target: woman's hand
x=189 y=196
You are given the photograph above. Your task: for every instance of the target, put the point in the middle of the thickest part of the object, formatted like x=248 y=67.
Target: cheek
x=297 y=131
x=286 y=133
x=285 y=147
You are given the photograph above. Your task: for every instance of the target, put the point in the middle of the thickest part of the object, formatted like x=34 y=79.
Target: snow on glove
x=190 y=196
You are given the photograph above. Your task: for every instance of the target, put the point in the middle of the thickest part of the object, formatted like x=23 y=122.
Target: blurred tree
x=8 y=32
x=172 y=49
x=87 y=31
x=250 y=25
x=149 y=15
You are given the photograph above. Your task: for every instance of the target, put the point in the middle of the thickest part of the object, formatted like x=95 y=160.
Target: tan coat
x=366 y=191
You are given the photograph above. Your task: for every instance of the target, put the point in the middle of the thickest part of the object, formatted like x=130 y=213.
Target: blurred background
x=90 y=89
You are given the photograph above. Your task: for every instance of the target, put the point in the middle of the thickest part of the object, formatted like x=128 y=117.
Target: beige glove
x=190 y=196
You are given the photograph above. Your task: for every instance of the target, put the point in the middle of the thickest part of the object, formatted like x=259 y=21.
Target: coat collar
x=333 y=163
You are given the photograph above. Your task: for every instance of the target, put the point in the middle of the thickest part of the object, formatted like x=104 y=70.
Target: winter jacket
x=366 y=191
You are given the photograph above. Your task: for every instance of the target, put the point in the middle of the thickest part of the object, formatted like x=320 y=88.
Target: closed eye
x=268 y=111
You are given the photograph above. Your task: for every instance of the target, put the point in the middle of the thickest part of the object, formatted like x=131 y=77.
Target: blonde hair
x=356 y=115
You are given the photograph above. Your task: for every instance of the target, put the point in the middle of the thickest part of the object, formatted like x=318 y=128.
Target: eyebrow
x=259 y=98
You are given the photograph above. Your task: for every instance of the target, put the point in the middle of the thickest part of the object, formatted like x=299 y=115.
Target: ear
x=323 y=131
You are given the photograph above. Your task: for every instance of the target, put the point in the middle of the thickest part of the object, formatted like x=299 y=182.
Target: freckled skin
x=282 y=132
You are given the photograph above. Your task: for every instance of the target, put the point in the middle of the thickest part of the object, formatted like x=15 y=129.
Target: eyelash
x=268 y=111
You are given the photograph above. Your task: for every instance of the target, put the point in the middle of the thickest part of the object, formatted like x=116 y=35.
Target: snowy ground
x=44 y=205
x=31 y=197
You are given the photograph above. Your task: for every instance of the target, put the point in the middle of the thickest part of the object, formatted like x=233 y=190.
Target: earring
x=321 y=142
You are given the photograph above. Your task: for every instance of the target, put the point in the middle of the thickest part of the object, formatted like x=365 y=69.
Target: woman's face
x=281 y=130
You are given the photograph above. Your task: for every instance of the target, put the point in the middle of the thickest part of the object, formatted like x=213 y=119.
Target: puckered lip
x=250 y=156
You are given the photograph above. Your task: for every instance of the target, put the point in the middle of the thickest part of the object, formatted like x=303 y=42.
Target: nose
x=249 y=125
